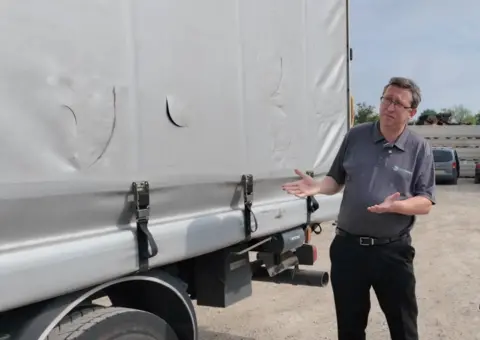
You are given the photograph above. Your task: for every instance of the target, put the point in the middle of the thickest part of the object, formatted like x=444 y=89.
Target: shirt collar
x=399 y=143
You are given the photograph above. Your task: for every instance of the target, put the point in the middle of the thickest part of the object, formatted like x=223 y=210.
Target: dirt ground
x=447 y=266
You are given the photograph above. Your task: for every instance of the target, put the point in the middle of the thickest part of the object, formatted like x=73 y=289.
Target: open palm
x=304 y=187
x=386 y=205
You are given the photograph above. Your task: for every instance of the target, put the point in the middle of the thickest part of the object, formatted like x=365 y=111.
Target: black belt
x=370 y=241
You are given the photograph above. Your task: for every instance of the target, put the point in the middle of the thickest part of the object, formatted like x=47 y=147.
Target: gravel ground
x=448 y=275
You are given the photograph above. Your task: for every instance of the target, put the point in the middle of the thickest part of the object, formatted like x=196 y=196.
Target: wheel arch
x=156 y=292
x=166 y=298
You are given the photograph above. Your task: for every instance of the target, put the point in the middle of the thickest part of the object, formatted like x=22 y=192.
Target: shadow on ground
x=205 y=334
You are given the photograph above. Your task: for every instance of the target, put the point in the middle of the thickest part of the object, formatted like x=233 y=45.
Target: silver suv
x=447 y=165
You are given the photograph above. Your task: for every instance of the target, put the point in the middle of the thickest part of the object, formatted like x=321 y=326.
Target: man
x=388 y=175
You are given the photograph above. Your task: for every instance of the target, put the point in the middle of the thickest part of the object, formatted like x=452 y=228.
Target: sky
x=434 y=42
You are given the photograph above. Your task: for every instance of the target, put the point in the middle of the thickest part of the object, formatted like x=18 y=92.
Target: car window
x=442 y=156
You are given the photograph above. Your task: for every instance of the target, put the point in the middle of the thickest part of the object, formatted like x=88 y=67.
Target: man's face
x=395 y=108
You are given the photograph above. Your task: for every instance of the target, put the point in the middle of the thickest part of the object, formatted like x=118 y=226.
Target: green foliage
x=365 y=113
x=469 y=120
x=428 y=112
x=461 y=114
x=368 y=113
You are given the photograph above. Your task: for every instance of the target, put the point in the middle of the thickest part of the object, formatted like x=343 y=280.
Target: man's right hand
x=304 y=187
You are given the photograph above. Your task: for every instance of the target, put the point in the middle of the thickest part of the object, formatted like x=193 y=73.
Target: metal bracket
x=141 y=194
x=253 y=246
x=247 y=184
x=312 y=203
x=275 y=263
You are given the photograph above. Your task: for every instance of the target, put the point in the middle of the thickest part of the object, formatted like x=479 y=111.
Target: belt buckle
x=367 y=241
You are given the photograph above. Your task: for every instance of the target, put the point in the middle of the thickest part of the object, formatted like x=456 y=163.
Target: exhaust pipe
x=297 y=277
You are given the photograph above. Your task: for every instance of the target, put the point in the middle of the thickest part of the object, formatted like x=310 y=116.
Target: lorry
x=144 y=146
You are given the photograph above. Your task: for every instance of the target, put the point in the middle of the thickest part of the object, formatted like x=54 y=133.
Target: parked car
x=477 y=173
x=447 y=165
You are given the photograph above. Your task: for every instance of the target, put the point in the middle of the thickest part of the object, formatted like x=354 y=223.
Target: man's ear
x=413 y=112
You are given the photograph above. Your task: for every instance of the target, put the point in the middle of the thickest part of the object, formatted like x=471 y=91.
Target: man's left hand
x=386 y=205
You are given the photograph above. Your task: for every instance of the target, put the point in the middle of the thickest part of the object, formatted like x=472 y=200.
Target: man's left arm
x=423 y=189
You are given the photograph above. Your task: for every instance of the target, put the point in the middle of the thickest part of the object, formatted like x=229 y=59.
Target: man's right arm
x=334 y=181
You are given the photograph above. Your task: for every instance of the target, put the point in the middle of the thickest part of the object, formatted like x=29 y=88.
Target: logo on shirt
x=401 y=170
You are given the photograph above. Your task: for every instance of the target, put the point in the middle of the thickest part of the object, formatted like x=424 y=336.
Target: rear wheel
x=112 y=323
x=477 y=180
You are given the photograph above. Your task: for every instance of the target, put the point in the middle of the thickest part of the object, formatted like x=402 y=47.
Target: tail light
x=307 y=255
x=315 y=254
x=454 y=165
x=477 y=166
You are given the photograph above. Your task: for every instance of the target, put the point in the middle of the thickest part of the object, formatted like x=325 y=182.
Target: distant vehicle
x=477 y=173
x=447 y=165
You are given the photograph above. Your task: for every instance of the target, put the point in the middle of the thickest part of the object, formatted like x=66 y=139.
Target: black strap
x=145 y=239
x=147 y=247
x=312 y=203
x=312 y=206
x=247 y=183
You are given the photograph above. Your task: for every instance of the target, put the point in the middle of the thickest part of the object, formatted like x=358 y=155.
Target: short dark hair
x=408 y=84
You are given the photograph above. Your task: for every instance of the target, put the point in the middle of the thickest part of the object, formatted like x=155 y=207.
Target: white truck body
x=188 y=95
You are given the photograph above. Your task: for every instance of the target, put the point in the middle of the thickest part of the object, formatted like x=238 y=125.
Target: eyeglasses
x=397 y=105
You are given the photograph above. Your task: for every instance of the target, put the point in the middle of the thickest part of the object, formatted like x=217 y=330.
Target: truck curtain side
x=145 y=144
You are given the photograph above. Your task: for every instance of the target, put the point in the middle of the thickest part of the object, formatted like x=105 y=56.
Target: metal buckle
x=367 y=241
x=143 y=214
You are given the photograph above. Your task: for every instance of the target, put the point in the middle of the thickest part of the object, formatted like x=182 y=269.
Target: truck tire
x=112 y=323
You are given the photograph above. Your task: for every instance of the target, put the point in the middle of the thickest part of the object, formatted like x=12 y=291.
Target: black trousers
x=388 y=269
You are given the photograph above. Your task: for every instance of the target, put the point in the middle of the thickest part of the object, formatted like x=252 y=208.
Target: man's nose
x=391 y=107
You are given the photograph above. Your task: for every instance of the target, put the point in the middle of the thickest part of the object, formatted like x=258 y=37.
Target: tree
x=365 y=113
x=469 y=120
x=426 y=115
x=428 y=112
x=461 y=114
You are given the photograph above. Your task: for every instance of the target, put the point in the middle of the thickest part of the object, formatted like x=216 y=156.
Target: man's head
x=399 y=102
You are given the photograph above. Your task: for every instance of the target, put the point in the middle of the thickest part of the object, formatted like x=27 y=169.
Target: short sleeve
x=337 y=171
x=425 y=179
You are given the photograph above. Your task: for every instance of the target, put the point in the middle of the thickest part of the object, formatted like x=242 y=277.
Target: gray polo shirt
x=372 y=169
